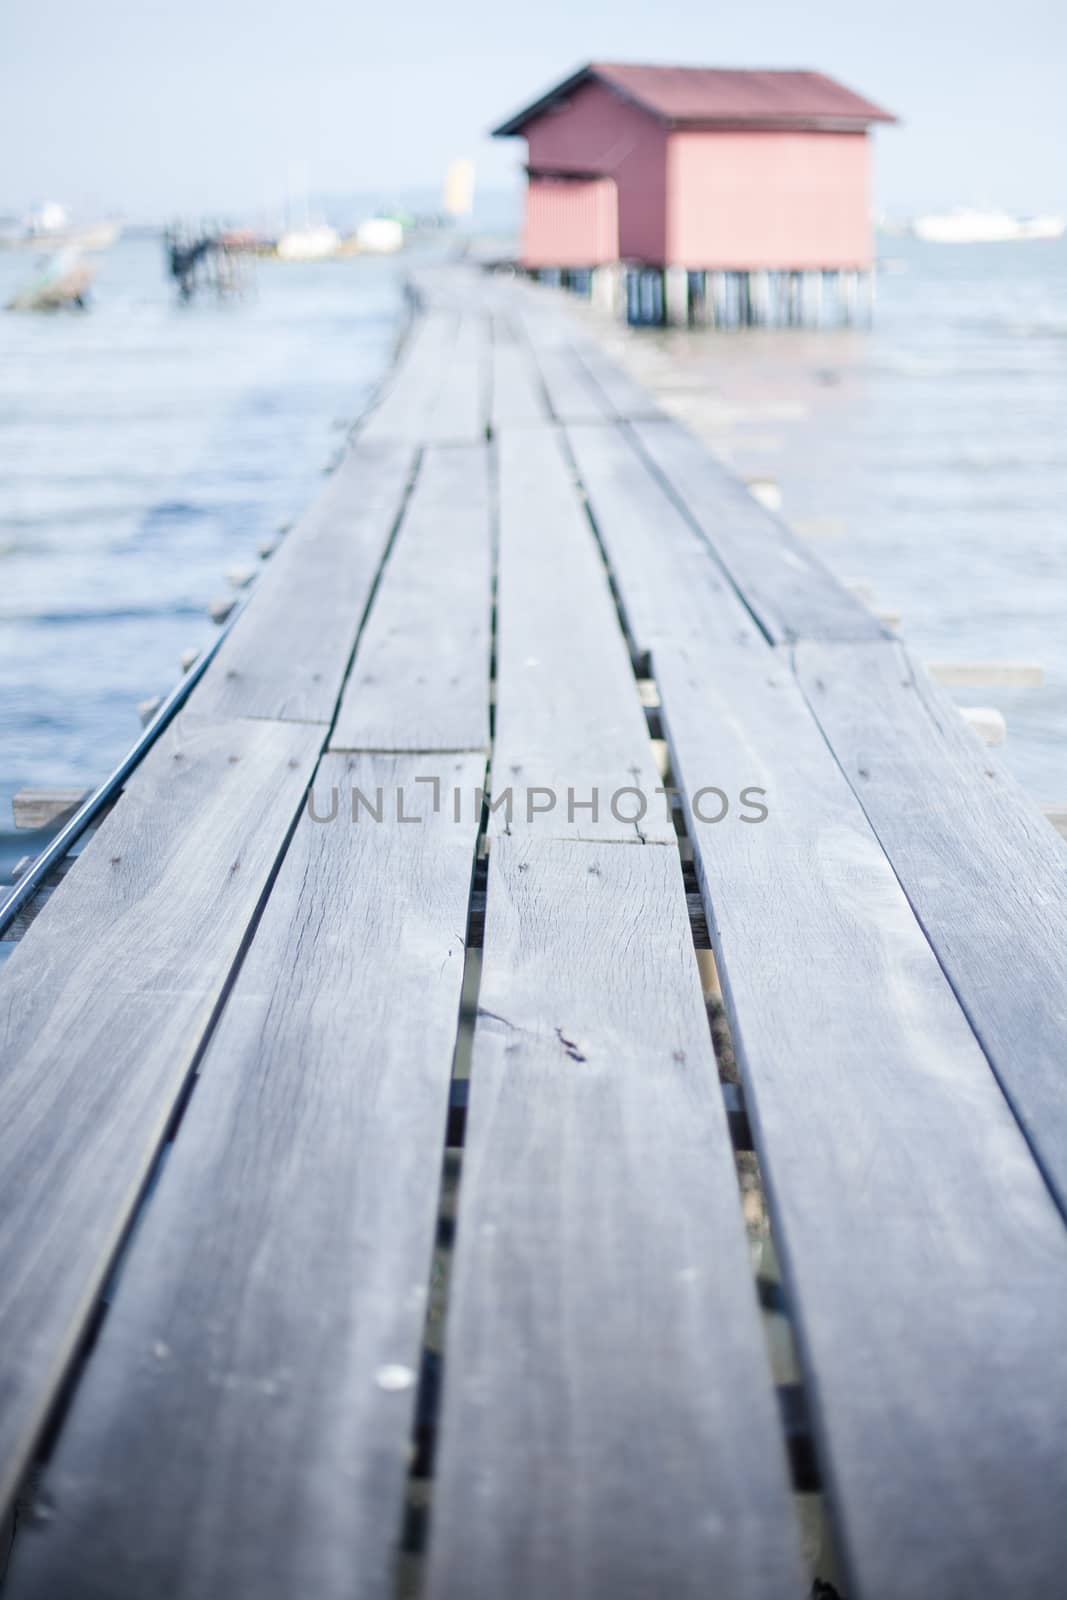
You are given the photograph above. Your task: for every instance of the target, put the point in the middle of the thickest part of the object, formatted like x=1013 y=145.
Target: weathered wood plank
x=987 y=674
x=626 y=397
x=421 y=677
x=569 y=720
x=985 y=722
x=461 y=411
x=288 y=652
x=572 y=394
x=671 y=585
x=405 y=410
x=45 y=807
x=925 y=1259
x=102 y=1008
x=517 y=396
x=983 y=869
x=608 y=1425
x=790 y=593
x=243 y=1425
x=451 y=287
x=1056 y=816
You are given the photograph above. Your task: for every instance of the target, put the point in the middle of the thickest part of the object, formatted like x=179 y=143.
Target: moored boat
x=313 y=242
x=965 y=226
x=65 y=282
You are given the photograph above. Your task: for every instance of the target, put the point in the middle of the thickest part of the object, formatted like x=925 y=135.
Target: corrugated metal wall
x=570 y=222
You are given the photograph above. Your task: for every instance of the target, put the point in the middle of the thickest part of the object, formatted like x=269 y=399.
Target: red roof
x=710 y=95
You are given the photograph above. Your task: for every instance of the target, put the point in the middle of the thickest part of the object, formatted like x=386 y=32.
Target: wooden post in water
x=867 y=296
x=718 y=298
x=676 y=297
x=698 y=298
x=607 y=289
x=813 y=298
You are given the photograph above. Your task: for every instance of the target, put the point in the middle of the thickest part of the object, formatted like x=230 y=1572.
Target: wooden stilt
x=606 y=289
x=718 y=299
x=760 y=298
x=676 y=297
x=813 y=299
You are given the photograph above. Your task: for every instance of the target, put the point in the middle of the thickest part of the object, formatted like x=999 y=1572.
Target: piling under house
x=702 y=194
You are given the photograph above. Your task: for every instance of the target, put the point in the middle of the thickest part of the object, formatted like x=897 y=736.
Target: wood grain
x=288 y=652
x=568 y=712
x=518 y=397
x=102 y=1008
x=420 y=680
x=789 y=592
x=45 y=807
x=405 y=410
x=984 y=871
x=243 y=1427
x=925 y=1259
x=572 y=394
x=461 y=410
x=624 y=394
x=609 y=1426
x=670 y=584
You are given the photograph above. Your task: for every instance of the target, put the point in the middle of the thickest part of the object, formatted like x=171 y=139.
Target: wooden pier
x=392 y=939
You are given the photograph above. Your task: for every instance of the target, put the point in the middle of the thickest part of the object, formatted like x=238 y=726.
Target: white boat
x=50 y=228
x=964 y=226
x=380 y=236
x=87 y=236
x=314 y=242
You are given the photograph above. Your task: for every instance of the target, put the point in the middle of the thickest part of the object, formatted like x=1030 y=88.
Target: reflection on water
x=145 y=447
x=927 y=456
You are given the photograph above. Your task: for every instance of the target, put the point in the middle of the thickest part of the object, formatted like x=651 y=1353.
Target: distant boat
x=313 y=242
x=964 y=226
x=90 y=236
x=65 y=282
x=51 y=228
x=380 y=236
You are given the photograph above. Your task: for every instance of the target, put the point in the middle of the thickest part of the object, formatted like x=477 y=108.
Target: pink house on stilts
x=708 y=194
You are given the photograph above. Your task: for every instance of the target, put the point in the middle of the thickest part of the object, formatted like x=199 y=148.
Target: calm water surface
x=145 y=447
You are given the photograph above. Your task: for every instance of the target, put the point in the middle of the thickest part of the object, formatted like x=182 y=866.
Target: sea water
x=145 y=447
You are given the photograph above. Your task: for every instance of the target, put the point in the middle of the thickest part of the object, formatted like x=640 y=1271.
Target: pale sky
x=200 y=106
